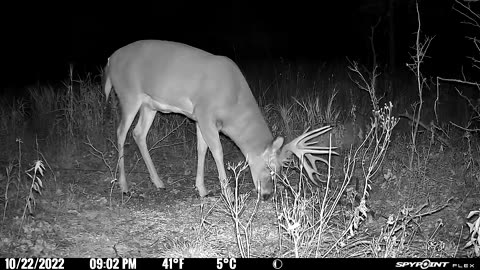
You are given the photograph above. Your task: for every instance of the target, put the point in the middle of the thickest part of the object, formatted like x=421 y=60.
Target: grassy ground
x=416 y=209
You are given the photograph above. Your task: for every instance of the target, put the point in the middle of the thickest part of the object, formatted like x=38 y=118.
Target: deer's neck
x=250 y=131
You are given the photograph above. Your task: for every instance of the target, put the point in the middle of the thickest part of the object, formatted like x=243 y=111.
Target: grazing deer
x=150 y=76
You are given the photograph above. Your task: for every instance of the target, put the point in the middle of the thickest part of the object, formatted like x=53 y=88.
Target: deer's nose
x=266 y=196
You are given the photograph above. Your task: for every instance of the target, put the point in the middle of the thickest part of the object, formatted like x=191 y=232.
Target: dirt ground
x=82 y=214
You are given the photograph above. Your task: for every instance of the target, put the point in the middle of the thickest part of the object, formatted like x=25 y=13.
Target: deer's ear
x=277 y=144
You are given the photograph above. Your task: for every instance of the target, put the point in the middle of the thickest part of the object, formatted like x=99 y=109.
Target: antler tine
x=307 y=150
x=302 y=145
x=311 y=134
x=310 y=167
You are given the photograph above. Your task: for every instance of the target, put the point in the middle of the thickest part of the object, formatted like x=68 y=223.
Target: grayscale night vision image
x=240 y=134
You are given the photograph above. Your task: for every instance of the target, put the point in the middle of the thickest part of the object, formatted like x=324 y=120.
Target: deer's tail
x=106 y=80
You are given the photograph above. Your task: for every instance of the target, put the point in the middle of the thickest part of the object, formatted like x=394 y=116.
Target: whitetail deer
x=150 y=76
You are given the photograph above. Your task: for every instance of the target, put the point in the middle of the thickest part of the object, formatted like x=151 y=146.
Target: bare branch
x=426 y=127
x=364 y=84
x=472 y=17
x=464 y=128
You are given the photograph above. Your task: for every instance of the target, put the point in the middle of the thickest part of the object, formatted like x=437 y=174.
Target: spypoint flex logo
x=425 y=264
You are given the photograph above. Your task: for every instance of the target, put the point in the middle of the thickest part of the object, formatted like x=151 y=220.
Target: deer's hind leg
x=145 y=120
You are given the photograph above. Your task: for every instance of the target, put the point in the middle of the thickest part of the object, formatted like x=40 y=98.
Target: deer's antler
x=307 y=150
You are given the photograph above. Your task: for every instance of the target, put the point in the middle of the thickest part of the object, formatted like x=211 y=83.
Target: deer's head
x=265 y=166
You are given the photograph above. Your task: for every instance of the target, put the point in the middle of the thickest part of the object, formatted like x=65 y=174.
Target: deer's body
x=150 y=76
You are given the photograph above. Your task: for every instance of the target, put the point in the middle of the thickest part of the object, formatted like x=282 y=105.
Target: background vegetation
x=406 y=182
